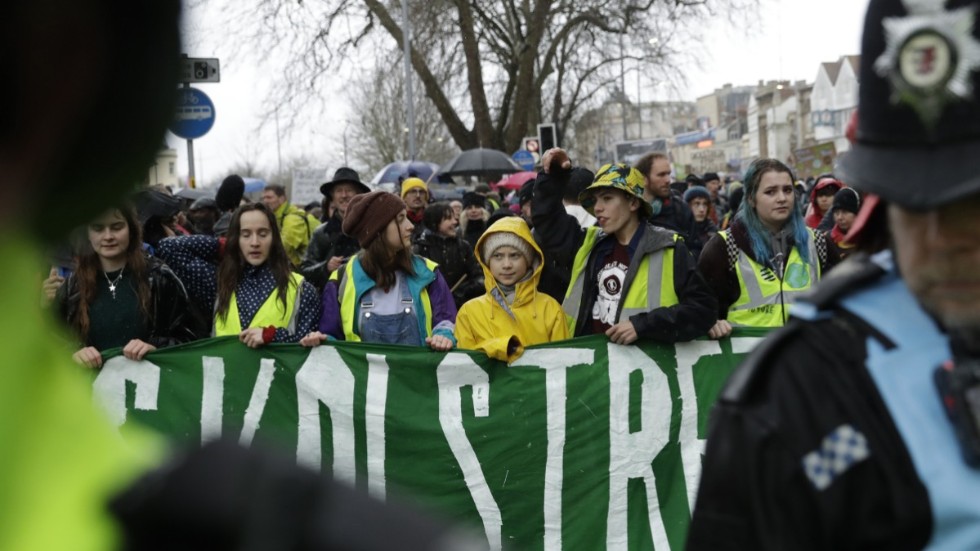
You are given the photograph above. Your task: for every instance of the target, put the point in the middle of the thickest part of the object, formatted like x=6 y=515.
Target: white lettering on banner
x=325 y=378
x=555 y=361
x=744 y=345
x=692 y=447
x=110 y=387
x=631 y=454
x=256 y=404
x=377 y=398
x=456 y=371
x=212 y=398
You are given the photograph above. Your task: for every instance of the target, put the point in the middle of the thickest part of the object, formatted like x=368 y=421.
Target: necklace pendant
x=112 y=289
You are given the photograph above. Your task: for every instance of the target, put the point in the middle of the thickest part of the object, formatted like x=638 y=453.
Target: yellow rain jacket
x=502 y=330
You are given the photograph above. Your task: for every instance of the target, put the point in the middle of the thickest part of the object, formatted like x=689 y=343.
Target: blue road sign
x=193 y=114
x=524 y=158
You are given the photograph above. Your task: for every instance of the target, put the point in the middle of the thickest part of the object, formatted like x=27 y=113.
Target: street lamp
x=346 y=126
x=639 y=85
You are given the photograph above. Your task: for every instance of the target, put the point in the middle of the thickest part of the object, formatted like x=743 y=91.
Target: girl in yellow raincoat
x=512 y=314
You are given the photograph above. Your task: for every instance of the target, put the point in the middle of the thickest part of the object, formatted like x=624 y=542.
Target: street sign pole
x=190 y=157
x=195 y=111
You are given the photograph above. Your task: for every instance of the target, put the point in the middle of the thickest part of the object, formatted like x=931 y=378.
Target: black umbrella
x=193 y=194
x=481 y=162
x=155 y=204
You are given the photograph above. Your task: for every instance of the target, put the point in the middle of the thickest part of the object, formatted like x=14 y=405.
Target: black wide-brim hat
x=918 y=130
x=341 y=176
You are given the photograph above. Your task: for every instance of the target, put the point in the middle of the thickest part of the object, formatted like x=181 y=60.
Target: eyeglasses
x=416 y=191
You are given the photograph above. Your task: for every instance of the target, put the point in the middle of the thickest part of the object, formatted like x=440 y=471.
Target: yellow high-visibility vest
x=348 y=297
x=270 y=313
x=656 y=271
x=764 y=298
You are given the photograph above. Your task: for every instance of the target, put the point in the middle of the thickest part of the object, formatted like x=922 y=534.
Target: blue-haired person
x=767 y=257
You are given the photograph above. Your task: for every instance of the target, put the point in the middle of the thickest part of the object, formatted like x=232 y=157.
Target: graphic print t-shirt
x=609 y=281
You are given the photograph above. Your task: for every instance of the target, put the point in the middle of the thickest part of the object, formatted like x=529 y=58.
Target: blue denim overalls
x=398 y=328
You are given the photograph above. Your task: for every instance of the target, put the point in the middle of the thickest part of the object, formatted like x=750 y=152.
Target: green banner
x=580 y=444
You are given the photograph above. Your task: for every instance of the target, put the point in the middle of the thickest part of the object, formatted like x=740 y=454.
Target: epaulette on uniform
x=847 y=277
x=851 y=275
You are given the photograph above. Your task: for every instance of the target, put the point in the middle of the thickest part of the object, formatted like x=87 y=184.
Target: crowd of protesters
x=627 y=251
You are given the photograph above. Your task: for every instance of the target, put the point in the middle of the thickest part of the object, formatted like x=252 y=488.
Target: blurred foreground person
x=856 y=426
x=73 y=142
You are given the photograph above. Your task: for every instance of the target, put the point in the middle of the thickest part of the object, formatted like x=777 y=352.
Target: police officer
x=855 y=426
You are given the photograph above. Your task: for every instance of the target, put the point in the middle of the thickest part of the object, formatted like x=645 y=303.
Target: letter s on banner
x=110 y=386
x=555 y=361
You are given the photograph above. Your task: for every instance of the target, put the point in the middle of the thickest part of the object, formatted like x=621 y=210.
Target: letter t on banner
x=555 y=361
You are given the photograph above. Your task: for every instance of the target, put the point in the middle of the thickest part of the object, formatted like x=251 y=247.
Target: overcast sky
x=789 y=41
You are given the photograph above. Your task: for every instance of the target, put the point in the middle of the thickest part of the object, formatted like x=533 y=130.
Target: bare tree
x=379 y=129
x=512 y=63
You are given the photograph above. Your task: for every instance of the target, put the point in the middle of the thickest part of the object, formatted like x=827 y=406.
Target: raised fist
x=554 y=160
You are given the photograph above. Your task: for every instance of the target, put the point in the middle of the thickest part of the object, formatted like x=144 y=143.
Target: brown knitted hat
x=369 y=213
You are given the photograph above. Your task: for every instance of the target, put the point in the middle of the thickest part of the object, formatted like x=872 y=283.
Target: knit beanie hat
x=526 y=192
x=693 y=180
x=230 y=193
x=413 y=183
x=847 y=199
x=368 y=214
x=578 y=180
x=497 y=239
x=697 y=191
x=471 y=198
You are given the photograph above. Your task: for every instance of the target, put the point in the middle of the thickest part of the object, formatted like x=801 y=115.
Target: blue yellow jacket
x=427 y=287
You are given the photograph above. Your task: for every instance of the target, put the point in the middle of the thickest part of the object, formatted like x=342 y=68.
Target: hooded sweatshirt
x=813 y=213
x=504 y=321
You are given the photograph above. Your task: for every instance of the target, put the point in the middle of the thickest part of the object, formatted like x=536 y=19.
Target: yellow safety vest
x=349 y=296
x=656 y=271
x=270 y=313
x=764 y=298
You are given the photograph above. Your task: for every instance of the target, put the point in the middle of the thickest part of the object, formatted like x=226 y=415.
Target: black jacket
x=455 y=259
x=675 y=215
x=173 y=318
x=800 y=385
x=560 y=236
x=326 y=242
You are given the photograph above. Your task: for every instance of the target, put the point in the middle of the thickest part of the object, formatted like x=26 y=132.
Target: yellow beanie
x=412 y=183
